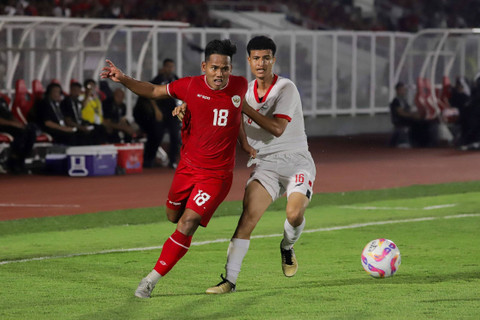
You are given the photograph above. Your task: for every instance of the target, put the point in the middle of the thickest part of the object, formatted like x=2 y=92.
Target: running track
x=343 y=164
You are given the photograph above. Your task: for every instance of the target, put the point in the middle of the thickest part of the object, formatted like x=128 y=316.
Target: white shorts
x=287 y=172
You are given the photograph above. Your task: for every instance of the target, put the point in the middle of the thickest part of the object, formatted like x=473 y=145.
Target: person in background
x=403 y=118
x=114 y=118
x=23 y=139
x=50 y=118
x=92 y=112
x=71 y=107
x=149 y=118
x=169 y=124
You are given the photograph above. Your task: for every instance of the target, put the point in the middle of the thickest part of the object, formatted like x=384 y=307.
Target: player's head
x=261 y=43
x=218 y=62
x=261 y=56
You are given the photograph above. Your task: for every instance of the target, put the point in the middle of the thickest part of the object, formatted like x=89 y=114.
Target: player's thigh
x=207 y=194
x=180 y=190
x=255 y=201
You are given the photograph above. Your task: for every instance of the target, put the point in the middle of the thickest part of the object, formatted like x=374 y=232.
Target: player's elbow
x=277 y=131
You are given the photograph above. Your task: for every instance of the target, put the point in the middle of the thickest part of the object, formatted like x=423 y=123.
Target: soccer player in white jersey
x=274 y=125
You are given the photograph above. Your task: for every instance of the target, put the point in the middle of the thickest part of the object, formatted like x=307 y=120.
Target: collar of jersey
x=205 y=79
x=255 y=91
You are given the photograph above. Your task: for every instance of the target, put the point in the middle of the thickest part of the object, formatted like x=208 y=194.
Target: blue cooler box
x=92 y=161
x=56 y=161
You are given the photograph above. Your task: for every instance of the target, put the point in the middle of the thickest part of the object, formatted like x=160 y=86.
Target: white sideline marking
x=201 y=243
x=35 y=205
x=441 y=206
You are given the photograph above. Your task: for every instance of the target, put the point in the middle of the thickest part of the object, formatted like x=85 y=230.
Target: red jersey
x=212 y=121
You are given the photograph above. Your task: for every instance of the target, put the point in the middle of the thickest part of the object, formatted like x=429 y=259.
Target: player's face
x=261 y=63
x=217 y=69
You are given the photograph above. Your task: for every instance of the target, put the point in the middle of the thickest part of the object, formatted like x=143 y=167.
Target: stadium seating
x=23 y=103
x=37 y=90
x=424 y=99
x=449 y=114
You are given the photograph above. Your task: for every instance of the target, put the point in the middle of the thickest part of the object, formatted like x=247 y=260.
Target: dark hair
x=222 y=47
x=88 y=81
x=261 y=43
x=75 y=84
x=50 y=87
x=167 y=60
x=399 y=85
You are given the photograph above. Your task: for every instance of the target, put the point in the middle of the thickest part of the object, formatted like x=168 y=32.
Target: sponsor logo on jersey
x=236 y=101
x=203 y=97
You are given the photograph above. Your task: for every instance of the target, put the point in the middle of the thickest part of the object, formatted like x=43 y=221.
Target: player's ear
x=204 y=66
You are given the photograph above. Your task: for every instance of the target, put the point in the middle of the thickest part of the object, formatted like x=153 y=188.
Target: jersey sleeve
x=287 y=102
x=178 y=88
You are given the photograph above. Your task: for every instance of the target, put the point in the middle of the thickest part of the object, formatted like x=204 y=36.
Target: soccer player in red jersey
x=210 y=129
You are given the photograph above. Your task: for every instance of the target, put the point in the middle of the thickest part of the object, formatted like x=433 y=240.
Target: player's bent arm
x=275 y=126
x=242 y=139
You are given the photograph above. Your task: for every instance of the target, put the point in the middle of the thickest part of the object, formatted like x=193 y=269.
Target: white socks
x=291 y=234
x=237 y=250
x=154 y=276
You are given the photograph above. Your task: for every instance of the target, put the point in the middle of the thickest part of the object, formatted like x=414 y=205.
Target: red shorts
x=198 y=190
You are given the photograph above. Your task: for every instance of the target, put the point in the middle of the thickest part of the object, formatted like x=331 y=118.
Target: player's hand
x=179 y=111
x=249 y=150
x=112 y=72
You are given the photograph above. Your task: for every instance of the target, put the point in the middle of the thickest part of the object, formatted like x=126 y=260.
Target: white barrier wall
x=336 y=72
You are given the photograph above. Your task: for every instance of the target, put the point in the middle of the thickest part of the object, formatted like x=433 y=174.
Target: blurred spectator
x=405 y=121
x=92 y=112
x=23 y=139
x=50 y=118
x=470 y=116
x=114 y=118
x=170 y=123
x=71 y=107
x=149 y=118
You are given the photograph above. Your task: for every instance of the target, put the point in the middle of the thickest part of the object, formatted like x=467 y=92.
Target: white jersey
x=282 y=100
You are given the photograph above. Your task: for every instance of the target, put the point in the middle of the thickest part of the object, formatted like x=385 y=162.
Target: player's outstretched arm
x=275 y=126
x=141 y=88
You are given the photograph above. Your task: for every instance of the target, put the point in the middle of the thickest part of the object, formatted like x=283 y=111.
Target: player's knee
x=174 y=216
x=294 y=216
x=189 y=223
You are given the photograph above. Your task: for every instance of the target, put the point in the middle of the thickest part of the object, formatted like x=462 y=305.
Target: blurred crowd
x=89 y=114
x=385 y=15
x=388 y=15
x=194 y=12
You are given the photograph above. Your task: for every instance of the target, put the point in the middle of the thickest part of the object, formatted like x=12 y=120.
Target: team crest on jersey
x=236 y=101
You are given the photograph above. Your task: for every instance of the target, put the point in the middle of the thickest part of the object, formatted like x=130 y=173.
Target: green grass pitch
x=79 y=267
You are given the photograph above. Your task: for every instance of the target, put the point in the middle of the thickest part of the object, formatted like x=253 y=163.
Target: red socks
x=173 y=250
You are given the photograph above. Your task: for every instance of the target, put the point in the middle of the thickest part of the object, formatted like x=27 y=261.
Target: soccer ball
x=381 y=258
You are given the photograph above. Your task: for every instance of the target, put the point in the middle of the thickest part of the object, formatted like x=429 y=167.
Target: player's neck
x=265 y=82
